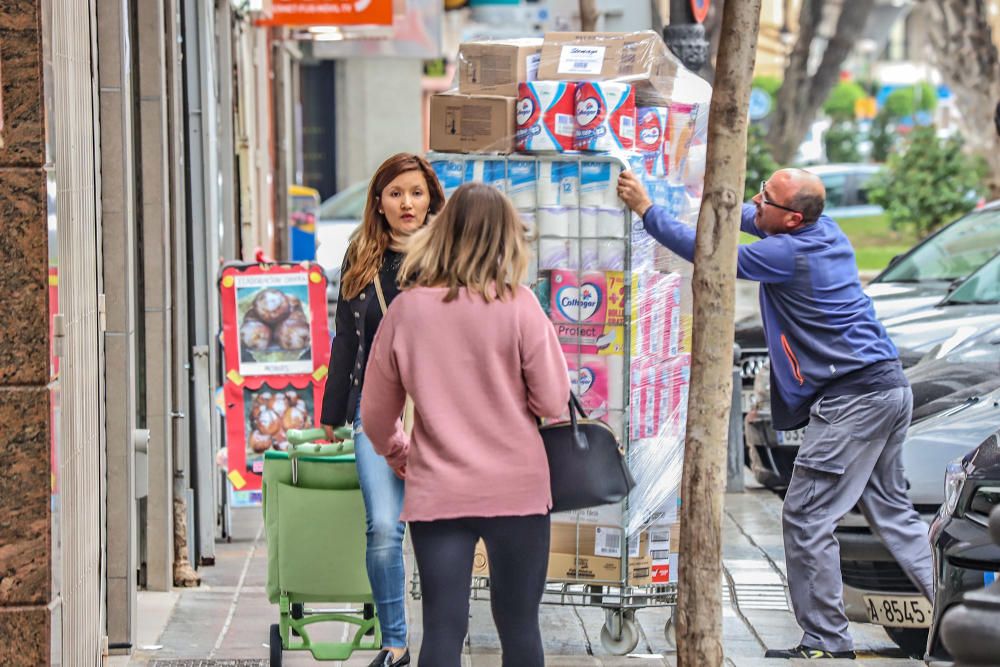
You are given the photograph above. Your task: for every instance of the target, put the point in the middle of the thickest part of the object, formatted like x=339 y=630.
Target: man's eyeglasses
x=765 y=200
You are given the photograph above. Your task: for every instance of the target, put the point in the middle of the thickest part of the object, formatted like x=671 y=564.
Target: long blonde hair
x=478 y=242
x=369 y=242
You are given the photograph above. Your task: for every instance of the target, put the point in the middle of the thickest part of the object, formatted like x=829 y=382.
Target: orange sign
x=328 y=12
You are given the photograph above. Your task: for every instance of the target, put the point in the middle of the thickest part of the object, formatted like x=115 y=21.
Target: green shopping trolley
x=314 y=520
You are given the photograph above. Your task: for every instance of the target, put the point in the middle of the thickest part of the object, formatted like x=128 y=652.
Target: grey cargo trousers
x=851 y=454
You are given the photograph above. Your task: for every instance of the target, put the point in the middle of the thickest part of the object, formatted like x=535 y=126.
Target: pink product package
x=578 y=298
x=657 y=329
x=659 y=393
x=588 y=378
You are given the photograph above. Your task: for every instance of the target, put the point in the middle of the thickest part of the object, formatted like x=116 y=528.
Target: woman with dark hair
x=403 y=193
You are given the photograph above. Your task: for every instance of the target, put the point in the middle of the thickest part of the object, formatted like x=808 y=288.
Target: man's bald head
x=803 y=190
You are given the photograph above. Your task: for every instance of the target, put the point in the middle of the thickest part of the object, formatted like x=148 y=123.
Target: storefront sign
x=306 y=13
x=276 y=350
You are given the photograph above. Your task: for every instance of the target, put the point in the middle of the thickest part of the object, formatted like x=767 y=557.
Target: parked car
x=942 y=381
x=876 y=589
x=965 y=556
x=847 y=189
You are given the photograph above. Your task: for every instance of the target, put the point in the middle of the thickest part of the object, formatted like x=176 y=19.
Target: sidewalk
x=228 y=617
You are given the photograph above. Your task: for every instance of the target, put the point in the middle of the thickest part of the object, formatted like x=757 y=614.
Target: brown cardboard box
x=599 y=56
x=564 y=565
x=472 y=124
x=495 y=67
x=573 y=549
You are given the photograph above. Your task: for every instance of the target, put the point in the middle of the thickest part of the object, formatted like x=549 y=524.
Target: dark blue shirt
x=820 y=326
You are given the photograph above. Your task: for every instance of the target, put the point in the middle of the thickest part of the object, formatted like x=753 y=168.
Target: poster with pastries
x=276 y=350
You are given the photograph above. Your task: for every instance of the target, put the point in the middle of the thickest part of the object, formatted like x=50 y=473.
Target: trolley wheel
x=670 y=632
x=620 y=634
x=298 y=612
x=275 y=645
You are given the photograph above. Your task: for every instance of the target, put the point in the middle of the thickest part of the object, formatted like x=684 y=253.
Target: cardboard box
x=472 y=124
x=495 y=67
x=565 y=565
x=600 y=56
x=593 y=553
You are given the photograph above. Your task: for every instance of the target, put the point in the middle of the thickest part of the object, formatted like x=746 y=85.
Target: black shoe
x=808 y=653
x=384 y=659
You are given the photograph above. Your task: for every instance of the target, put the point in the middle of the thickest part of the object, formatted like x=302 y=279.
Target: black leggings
x=517 y=547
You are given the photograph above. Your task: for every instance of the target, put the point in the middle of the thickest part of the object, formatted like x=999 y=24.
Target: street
x=227 y=618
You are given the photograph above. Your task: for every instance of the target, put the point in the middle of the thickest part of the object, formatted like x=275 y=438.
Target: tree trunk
x=588 y=15
x=699 y=605
x=962 y=48
x=802 y=94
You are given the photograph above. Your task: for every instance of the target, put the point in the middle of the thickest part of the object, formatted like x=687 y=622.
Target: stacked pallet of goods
x=552 y=122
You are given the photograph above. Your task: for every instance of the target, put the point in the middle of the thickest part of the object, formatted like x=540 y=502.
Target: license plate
x=794 y=438
x=898 y=612
x=746 y=399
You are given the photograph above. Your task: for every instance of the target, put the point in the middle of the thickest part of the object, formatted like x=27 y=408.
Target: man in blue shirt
x=834 y=368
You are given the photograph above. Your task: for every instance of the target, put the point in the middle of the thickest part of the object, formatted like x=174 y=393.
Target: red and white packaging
x=605 y=116
x=650 y=136
x=544 y=116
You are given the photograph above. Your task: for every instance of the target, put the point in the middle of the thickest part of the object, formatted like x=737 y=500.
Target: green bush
x=928 y=183
x=841 y=142
x=908 y=100
x=883 y=136
x=760 y=163
x=840 y=104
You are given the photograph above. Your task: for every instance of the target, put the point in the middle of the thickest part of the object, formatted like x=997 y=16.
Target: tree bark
x=588 y=15
x=962 y=48
x=802 y=94
x=699 y=605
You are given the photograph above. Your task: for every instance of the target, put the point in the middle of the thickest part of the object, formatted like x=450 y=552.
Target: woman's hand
x=330 y=434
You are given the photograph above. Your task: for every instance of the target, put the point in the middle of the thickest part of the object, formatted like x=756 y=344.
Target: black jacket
x=357 y=320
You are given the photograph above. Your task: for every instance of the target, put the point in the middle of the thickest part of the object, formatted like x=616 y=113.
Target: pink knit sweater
x=478 y=373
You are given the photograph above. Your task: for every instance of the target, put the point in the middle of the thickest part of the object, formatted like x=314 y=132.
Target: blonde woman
x=403 y=193
x=481 y=361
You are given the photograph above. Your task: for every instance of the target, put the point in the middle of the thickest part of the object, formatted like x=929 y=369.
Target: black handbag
x=587 y=466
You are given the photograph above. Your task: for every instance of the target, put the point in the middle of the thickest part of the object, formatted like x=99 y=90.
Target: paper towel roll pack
x=599 y=185
x=650 y=138
x=544 y=116
x=605 y=116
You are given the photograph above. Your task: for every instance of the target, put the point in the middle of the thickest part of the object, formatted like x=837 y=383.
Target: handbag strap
x=579 y=437
x=379 y=293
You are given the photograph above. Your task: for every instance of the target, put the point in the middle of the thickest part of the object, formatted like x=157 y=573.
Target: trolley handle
x=304 y=436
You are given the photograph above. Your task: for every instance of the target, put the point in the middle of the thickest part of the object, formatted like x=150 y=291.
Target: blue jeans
x=383 y=494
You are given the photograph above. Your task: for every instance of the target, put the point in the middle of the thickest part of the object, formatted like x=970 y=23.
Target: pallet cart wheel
x=298 y=611
x=275 y=645
x=620 y=634
x=670 y=632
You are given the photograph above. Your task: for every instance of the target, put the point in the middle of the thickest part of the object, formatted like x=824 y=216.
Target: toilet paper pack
x=599 y=185
x=451 y=173
x=656 y=312
x=544 y=116
x=588 y=378
x=558 y=183
x=659 y=393
x=605 y=116
x=578 y=298
x=521 y=178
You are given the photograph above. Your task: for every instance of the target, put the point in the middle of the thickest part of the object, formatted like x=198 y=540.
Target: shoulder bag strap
x=408 y=405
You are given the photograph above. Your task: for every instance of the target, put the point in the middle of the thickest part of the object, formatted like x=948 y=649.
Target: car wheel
x=913 y=641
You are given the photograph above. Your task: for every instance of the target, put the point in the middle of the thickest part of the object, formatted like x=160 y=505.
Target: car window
x=983 y=286
x=348 y=204
x=836 y=189
x=864 y=182
x=953 y=253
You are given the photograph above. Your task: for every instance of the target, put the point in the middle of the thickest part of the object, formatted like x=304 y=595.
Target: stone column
x=25 y=487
